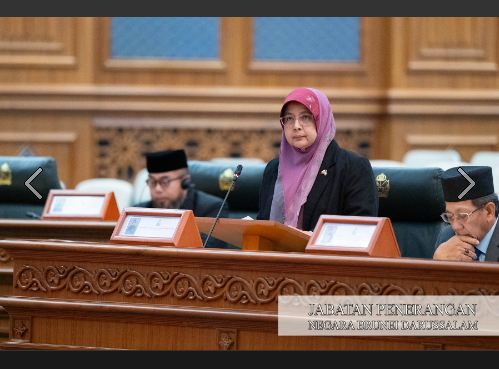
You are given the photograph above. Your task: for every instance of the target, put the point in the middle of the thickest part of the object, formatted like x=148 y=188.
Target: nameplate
x=79 y=205
x=354 y=235
x=157 y=227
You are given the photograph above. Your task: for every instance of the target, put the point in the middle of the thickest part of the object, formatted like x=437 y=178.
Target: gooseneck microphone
x=33 y=215
x=236 y=176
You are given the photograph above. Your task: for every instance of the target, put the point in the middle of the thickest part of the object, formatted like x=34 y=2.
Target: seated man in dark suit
x=170 y=186
x=472 y=215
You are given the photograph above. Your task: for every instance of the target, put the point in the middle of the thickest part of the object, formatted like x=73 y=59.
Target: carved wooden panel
x=4 y=256
x=227 y=339
x=453 y=44
x=20 y=328
x=120 y=150
x=83 y=294
x=5 y=290
x=38 y=41
x=203 y=287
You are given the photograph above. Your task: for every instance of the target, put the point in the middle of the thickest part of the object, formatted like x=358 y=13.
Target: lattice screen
x=121 y=150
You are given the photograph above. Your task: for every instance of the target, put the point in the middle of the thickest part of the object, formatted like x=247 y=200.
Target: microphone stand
x=236 y=176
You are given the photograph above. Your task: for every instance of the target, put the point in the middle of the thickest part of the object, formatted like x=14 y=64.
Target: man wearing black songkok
x=170 y=186
x=471 y=211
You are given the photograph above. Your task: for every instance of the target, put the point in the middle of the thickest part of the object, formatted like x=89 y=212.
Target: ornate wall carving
x=120 y=150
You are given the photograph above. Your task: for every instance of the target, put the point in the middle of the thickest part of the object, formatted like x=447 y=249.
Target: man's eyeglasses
x=304 y=120
x=461 y=217
x=163 y=182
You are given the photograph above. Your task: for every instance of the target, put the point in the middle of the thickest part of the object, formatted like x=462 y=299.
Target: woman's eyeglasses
x=304 y=120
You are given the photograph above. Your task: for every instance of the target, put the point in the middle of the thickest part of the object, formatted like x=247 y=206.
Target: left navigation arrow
x=28 y=181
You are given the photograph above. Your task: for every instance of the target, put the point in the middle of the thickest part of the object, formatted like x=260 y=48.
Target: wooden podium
x=80 y=295
x=71 y=230
x=249 y=234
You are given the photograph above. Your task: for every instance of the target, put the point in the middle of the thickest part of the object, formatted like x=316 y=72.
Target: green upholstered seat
x=243 y=198
x=15 y=198
x=413 y=200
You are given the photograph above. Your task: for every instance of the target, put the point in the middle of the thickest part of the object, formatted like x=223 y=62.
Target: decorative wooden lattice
x=120 y=151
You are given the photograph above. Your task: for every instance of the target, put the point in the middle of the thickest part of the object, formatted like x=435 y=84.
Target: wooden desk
x=57 y=229
x=42 y=229
x=76 y=295
x=6 y=267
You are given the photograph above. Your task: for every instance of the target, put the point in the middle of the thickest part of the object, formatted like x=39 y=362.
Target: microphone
x=236 y=176
x=31 y=214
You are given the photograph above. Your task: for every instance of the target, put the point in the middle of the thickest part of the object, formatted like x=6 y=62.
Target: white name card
x=157 y=227
x=354 y=235
x=70 y=205
x=150 y=226
x=80 y=205
x=347 y=235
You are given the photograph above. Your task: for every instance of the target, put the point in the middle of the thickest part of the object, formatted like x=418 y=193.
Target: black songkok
x=165 y=161
x=454 y=183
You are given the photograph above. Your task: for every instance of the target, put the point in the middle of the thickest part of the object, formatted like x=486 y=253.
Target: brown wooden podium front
x=249 y=234
x=77 y=295
x=82 y=230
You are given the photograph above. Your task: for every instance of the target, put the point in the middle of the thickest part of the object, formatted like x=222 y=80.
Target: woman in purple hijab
x=313 y=175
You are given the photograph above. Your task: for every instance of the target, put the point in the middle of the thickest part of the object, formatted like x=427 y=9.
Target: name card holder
x=354 y=235
x=157 y=227
x=79 y=205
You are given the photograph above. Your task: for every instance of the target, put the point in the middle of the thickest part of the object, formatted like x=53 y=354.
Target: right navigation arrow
x=472 y=183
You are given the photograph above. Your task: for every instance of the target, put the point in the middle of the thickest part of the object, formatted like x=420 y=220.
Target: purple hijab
x=298 y=168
